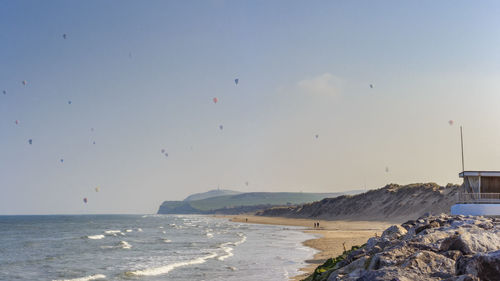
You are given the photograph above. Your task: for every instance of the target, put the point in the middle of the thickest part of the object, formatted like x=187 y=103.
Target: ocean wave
x=209 y=235
x=95 y=237
x=166 y=240
x=124 y=245
x=229 y=250
x=121 y=244
x=167 y=268
x=139 y=229
x=114 y=232
x=243 y=239
x=86 y=278
x=128 y=230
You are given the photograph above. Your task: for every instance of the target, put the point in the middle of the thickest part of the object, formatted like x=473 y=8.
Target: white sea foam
x=243 y=239
x=229 y=250
x=139 y=229
x=124 y=245
x=128 y=230
x=209 y=235
x=167 y=268
x=121 y=244
x=95 y=237
x=86 y=278
x=114 y=233
x=166 y=240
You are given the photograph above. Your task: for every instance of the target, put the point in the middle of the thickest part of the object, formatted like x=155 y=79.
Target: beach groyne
x=395 y=203
x=442 y=247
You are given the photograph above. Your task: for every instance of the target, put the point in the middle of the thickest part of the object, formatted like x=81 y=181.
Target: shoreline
x=333 y=235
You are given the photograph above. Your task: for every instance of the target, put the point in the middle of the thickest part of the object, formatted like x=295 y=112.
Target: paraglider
x=85 y=200
x=4 y=92
x=30 y=141
x=246 y=183
x=62 y=160
x=97 y=189
x=215 y=100
x=24 y=83
x=387 y=169
x=130 y=55
x=316 y=136
x=162 y=151
x=166 y=154
x=236 y=81
x=69 y=102
x=64 y=36
x=17 y=122
x=371 y=86
x=450 y=122
x=93 y=142
x=221 y=127
x=91 y=129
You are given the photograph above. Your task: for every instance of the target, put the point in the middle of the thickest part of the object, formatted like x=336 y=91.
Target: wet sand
x=334 y=235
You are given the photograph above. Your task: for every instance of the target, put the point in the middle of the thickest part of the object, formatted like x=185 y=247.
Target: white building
x=479 y=195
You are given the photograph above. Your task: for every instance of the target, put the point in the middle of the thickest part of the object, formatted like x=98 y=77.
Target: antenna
x=462 y=144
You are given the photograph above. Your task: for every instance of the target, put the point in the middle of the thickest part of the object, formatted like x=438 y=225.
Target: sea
x=147 y=247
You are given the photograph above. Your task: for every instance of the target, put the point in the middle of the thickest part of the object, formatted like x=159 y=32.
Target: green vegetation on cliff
x=240 y=202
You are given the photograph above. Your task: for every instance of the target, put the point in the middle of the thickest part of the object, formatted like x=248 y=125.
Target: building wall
x=490 y=184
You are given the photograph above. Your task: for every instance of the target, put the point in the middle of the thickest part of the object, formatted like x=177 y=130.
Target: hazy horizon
x=332 y=96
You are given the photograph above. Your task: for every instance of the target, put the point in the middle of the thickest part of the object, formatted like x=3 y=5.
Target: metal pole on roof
x=462 y=144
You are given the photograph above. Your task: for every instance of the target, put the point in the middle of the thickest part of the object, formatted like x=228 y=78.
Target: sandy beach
x=334 y=235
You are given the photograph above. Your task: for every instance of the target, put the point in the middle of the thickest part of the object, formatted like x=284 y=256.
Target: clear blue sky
x=142 y=74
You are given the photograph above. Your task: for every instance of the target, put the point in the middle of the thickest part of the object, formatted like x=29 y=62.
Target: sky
x=137 y=77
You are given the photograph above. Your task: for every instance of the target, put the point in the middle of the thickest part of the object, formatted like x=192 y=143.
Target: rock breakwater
x=442 y=247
